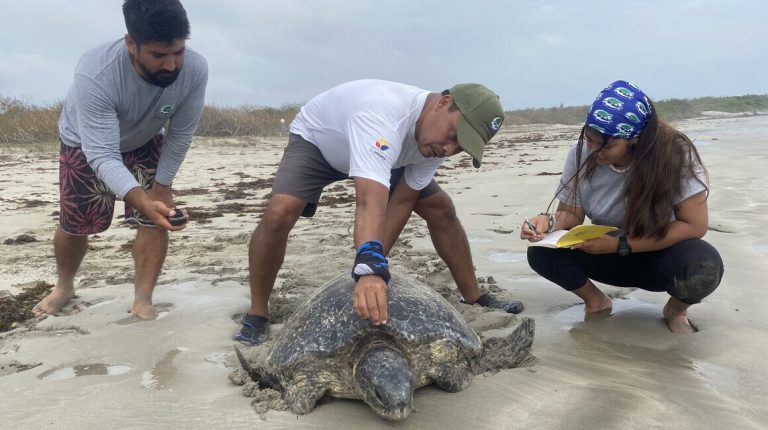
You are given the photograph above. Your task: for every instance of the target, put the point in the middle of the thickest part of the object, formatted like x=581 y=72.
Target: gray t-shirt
x=109 y=110
x=602 y=197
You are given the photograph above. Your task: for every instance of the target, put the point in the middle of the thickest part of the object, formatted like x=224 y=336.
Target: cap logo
x=597 y=128
x=603 y=116
x=613 y=103
x=625 y=129
x=624 y=92
x=495 y=125
x=632 y=117
x=642 y=109
x=167 y=109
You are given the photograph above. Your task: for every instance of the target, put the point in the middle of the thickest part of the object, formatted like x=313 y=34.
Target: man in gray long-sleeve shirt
x=125 y=128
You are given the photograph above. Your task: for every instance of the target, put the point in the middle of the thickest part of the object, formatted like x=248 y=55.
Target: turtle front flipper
x=513 y=350
x=258 y=374
x=452 y=377
x=302 y=394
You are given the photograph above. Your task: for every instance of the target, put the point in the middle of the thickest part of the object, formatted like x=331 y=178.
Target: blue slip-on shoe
x=489 y=301
x=254 y=330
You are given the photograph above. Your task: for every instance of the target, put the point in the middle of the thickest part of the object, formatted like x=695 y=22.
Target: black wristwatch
x=624 y=249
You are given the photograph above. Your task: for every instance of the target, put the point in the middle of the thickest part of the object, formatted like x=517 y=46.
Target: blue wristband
x=370 y=260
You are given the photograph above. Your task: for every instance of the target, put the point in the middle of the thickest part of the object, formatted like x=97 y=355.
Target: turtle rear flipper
x=260 y=375
x=513 y=350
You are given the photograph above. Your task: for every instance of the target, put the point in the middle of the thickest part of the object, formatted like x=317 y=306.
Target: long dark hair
x=661 y=160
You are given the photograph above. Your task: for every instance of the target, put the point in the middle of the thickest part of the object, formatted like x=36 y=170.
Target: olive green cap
x=481 y=118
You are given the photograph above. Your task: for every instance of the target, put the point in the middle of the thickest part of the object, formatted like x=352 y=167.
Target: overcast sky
x=532 y=53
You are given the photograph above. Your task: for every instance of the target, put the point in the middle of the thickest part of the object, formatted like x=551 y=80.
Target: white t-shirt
x=366 y=128
x=602 y=197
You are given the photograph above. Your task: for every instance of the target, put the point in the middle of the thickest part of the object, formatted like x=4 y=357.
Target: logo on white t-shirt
x=167 y=109
x=380 y=145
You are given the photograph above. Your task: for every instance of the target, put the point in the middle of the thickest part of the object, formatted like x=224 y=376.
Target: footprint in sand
x=502 y=231
x=16 y=367
x=163 y=309
x=56 y=332
x=507 y=257
x=477 y=239
x=221 y=359
x=161 y=375
x=488 y=214
x=628 y=309
x=8 y=350
x=334 y=239
x=79 y=304
x=90 y=369
x=616 y=296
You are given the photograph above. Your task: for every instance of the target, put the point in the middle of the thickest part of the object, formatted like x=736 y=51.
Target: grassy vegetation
x=246 y=120
x=22 y=122
x=671 y=110
x=553 y=115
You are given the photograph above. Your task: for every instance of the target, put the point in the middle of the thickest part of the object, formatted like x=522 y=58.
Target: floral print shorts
x=87 y=205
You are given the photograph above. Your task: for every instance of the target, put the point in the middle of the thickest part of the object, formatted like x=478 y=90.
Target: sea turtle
x=326 y=349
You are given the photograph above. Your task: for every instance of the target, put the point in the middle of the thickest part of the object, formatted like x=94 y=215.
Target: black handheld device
x=178 y=218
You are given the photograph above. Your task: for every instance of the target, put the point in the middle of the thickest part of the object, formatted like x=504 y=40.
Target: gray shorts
x=304 y=173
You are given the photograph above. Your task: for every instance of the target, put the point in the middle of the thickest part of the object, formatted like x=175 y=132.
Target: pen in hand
x=530 y=225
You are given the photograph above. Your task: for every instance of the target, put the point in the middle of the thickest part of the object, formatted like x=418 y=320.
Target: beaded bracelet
x=551 y=226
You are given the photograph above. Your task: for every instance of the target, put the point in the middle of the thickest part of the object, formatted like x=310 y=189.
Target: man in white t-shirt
x=125 y=128
x=390 y=138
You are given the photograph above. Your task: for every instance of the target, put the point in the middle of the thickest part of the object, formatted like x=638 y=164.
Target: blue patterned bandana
x=620 y=110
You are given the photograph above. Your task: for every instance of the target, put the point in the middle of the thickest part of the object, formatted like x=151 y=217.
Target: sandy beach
x=94 y=366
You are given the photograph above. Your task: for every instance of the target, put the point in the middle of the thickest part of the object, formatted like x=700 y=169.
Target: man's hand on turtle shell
x=370 y=301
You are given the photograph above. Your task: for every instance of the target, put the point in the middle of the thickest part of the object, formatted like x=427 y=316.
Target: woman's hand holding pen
x=533 y=229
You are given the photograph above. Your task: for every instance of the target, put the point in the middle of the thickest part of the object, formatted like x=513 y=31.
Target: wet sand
x=94 y=366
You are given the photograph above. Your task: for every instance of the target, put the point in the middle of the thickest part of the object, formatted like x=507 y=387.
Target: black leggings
x=689 y=270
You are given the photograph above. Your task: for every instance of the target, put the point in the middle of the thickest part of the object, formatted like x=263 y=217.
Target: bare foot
x=598 y=306
x=144 y=310
x=598 y=315
x=680 y=325
x=676 y=317
x=53 y=302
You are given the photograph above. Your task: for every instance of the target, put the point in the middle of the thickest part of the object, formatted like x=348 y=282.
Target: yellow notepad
x=576 y=235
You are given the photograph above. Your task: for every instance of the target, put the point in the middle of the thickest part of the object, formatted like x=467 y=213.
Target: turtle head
x=385 y=380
